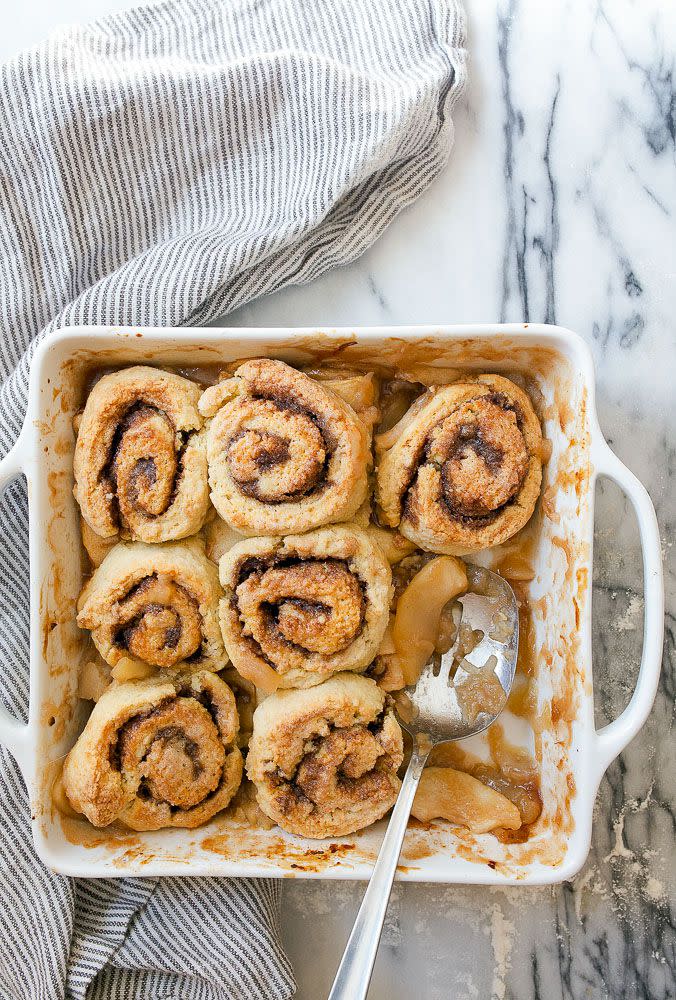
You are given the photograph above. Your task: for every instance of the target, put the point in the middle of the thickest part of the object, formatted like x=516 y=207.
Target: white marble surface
x=558 y=205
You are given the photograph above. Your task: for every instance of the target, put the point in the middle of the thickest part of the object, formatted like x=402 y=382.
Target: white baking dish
x=575 y=755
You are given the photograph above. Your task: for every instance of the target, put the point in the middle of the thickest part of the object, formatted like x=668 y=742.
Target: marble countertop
x=558 y=205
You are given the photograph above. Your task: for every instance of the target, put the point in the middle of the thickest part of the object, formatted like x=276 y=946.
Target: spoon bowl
x=438 y=710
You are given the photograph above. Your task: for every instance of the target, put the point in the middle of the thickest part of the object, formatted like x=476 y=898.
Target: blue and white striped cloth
x=163 y=166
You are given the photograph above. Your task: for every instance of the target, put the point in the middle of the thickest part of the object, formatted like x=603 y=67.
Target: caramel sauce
x=56 y=716
x=417 y=847
x=279 y=851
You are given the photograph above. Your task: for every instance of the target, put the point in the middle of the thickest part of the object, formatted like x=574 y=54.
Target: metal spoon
x=488 y=605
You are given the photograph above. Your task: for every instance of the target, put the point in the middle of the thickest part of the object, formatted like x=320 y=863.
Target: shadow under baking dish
x=561 y=366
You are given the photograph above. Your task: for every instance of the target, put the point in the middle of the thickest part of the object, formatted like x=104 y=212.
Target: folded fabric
x=163 y=166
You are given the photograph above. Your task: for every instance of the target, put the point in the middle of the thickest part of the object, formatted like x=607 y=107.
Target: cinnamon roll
x=157 y=753
x=462 y=469
x=325 y=760
x=140 y=458
x=285 y=452
x=156 y=605
x=301 y=608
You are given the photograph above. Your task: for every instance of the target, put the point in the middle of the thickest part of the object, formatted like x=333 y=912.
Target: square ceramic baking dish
x=574 y=754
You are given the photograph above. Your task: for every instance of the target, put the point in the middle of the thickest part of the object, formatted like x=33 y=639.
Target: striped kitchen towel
x=163 y=166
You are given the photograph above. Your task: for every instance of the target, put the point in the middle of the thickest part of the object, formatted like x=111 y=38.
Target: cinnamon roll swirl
x=462 y=469
x=156 y=605
x=157 y=753
x=325 y=760
x=140 y=458
x=301 y=608
x=285 y=452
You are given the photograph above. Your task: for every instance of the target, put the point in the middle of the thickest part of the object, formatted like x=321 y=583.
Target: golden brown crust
x=140 y=459
x=156 y=605
x=285 y=452
x=157 y=753
x=325 y=760
x=462 y=469
x=300 y=608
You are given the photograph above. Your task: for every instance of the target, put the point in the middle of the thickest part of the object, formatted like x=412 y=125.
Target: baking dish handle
x=613 y=738
x=13 y=734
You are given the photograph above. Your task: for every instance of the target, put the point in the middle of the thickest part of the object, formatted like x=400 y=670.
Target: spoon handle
x=354 y=972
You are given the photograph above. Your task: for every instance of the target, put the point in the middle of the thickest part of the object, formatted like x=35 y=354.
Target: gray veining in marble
x=558 y=205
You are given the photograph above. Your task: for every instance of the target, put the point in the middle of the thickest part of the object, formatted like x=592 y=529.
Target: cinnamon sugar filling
x=144 y=467
x=159 y=622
